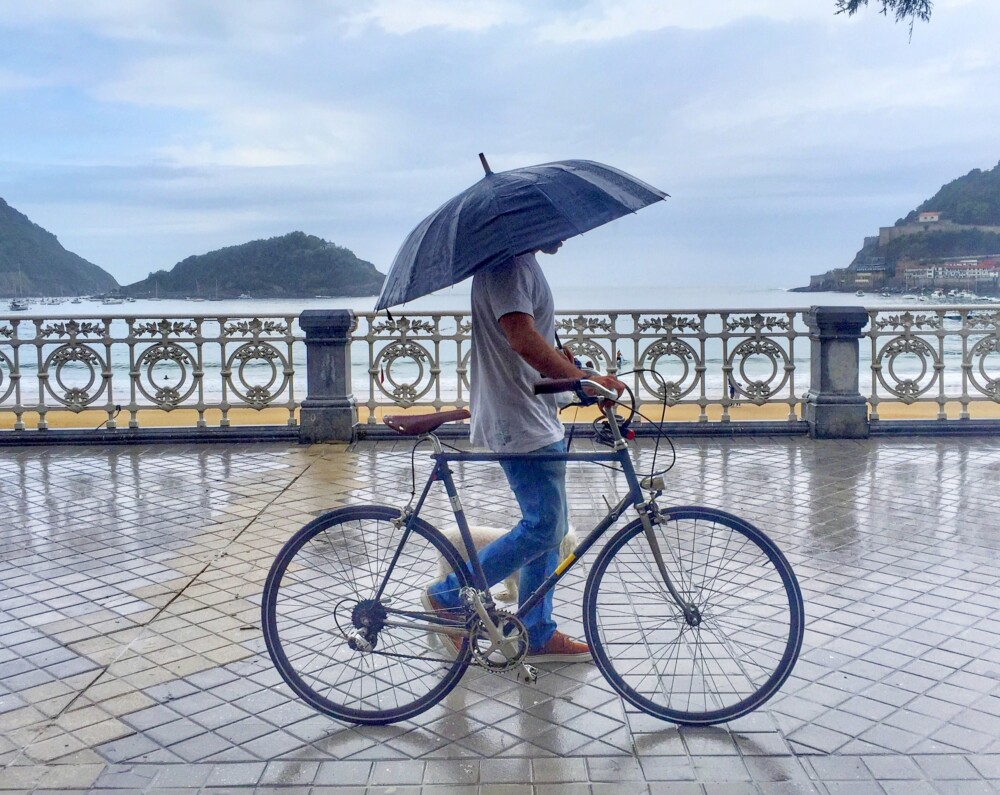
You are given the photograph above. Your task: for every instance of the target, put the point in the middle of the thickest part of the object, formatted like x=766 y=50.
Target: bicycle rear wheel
x=751 y=617
x=323 y=590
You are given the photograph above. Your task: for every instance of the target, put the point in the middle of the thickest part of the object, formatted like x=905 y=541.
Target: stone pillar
x=834 y=408
x=329 y=412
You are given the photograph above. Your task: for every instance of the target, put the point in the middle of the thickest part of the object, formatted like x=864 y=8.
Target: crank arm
x=527 y=673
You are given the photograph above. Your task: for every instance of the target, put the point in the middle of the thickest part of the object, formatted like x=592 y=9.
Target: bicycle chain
x=401 y=656
x=475 y=659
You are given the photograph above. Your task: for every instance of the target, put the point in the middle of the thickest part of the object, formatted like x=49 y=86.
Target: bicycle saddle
x=416 y=424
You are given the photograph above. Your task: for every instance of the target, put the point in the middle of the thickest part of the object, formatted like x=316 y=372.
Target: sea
x=583 y=298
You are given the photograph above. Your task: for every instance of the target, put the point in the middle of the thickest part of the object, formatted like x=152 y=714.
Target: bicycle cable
x=602 y=429
x=413 y=473
x=661 y=434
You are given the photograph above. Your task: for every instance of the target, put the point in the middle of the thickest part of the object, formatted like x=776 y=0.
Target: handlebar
x=552 y=385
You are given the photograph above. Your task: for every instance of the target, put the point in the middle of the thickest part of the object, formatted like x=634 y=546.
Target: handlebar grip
x=552 y=385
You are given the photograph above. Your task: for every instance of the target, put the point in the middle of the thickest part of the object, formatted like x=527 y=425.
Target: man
x=513 y=328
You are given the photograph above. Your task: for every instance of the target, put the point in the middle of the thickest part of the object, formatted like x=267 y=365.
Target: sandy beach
x=153 y=418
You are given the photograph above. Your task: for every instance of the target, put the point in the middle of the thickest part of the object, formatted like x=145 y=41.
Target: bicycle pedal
x=527 y=674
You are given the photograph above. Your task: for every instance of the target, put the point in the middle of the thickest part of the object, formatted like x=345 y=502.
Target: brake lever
x=585 y=399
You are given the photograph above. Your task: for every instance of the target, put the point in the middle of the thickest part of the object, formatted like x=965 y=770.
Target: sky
x=143 y=132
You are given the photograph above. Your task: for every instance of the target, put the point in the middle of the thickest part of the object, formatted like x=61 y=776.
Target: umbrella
x=507 y=214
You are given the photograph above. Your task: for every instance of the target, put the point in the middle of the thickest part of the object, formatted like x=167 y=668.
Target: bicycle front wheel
x=343 y=620
x=723 y=663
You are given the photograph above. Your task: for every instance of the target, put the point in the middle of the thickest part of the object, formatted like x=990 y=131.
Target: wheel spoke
x=322 y=588
x=715 y=669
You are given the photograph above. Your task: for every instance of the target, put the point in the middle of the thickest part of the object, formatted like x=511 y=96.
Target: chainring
x=509 y=653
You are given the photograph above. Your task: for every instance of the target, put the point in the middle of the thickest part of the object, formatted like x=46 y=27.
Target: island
x=295 y=265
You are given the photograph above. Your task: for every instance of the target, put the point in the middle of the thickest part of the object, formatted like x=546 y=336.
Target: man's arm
x=519 y=328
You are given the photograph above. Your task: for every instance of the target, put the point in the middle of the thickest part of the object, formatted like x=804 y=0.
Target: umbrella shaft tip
x=486 y=166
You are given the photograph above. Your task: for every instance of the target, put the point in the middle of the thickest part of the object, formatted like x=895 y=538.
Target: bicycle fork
x=692 y=615
x=647 y=511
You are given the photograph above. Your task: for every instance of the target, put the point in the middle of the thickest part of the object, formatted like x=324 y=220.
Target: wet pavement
x=131 y=656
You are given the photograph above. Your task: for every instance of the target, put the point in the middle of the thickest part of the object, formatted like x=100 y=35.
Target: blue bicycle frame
x=634 y=497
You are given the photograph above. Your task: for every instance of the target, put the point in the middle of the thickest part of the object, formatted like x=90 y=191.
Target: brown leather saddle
x=417 y=424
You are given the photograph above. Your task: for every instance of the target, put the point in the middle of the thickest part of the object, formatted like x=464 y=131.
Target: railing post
x=834 y=407
x=329 y=411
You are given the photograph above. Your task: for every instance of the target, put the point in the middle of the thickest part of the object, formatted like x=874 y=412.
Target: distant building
x=870 y=275
x=929 y=217
x=965 y=273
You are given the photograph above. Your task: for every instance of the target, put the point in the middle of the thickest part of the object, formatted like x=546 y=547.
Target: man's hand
x=608 y=382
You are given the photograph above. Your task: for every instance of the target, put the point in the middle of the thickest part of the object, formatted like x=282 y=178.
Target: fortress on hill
x=978 y=273
x=951 y=241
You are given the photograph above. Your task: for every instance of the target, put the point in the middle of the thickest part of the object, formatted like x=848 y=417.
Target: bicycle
x=692 y=614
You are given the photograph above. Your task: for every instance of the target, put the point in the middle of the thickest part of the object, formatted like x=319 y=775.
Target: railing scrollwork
x=720 y=364
x=913 y=358
x=670 y=359
x=136 y=364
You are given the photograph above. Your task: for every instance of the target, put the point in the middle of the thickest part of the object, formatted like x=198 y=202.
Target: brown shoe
x=560 y=648
x=450 y=645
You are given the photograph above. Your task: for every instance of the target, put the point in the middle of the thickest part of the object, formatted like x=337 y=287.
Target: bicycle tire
x=314 y=588
x=751 y=611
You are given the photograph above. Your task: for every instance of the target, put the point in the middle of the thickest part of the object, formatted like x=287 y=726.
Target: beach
x=188 y=418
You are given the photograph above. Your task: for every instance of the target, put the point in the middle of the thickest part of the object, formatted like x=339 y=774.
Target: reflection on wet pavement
x=131 y=653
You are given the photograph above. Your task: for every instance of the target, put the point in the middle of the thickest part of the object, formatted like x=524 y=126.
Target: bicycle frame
x=634 y=497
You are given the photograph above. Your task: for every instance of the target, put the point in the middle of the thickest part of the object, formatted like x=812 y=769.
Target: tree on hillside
x=903 y=9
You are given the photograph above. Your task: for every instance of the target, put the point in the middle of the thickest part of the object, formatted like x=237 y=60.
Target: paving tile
x=554 y=771
x=895 y=689
x=237 y=774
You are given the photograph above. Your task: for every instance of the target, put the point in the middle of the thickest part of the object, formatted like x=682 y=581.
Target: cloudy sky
x=141 y=132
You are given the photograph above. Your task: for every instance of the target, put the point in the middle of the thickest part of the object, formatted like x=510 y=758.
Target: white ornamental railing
x=697 y=358
x=132 y=364
x=934 y=354
x=703 y=365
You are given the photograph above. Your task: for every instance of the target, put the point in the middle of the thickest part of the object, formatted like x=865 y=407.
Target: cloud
x=264 y=25
x=603 y=20
x=401 y=17
x=15 y=81
x=209 y=124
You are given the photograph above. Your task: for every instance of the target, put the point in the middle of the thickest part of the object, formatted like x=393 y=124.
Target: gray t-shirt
x=507 y=417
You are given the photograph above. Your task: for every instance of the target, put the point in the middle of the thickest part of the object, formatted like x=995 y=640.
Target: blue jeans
x=532 y=546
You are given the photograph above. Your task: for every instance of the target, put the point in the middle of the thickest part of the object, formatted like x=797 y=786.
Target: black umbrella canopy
x=507 y=214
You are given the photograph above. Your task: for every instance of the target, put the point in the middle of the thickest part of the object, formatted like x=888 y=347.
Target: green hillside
x=937 y=245
x=33 y=263
x=972 y=199
x=295 y=265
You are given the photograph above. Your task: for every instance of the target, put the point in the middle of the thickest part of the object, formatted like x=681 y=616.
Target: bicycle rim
x=324 y=580
x=750 y=607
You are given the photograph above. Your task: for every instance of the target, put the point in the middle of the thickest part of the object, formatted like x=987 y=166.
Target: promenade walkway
x=131 y=657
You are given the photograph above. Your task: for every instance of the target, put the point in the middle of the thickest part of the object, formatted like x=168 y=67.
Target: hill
x=973 y=199
x=34 y=263
x=961 y=220
x=295 y=265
